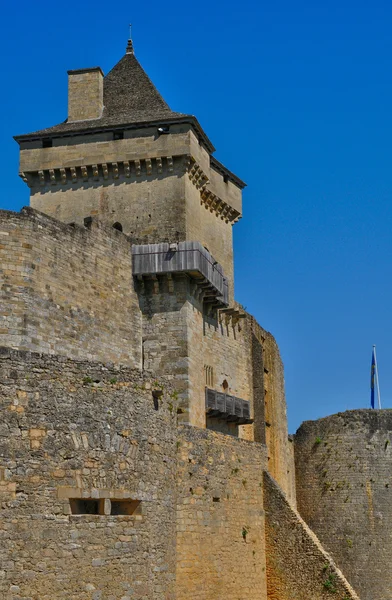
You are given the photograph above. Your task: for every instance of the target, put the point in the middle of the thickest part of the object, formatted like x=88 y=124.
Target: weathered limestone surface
x=220 y=517
x=298 y=568
x=280 y=455
x=344 y=487
x=72 y=429
x=81 y=429
x=67 y=290
x=85 y=94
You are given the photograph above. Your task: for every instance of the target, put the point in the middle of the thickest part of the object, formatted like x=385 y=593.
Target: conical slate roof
x=129 y=97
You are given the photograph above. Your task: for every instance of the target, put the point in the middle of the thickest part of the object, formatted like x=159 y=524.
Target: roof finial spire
x=130 y=43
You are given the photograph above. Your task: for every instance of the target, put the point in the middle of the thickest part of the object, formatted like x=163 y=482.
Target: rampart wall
x=70 y=430
x=67 y=290
x=73 y=431
x=271 y=379
x=298 y=568
x=220 y=517
x=344 y=486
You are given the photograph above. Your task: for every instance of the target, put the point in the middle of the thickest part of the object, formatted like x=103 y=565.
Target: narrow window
x=225 y=386
x=86 y=506
x=209 y=376
x=125 y=507
x=117 y=226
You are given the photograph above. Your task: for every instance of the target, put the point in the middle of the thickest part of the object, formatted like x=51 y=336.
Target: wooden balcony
x=225 y=406
x=185 y=257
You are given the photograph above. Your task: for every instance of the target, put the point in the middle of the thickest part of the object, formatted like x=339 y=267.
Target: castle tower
x=124 y=156
x=125 y=159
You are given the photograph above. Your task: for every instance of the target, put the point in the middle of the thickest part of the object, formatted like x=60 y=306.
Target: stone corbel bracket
x=109 y=171
x=207 y=198
x=215 y=204
x=231 y=316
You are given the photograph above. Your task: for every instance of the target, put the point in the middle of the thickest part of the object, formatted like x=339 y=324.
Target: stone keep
x=144 y=451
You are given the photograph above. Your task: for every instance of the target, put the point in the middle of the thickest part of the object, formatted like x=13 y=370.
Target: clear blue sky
x=297 y=99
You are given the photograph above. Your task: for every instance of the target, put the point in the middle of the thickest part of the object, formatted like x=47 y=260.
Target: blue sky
x=297 y=99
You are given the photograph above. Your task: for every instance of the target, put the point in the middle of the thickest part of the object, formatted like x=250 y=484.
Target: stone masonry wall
x=85 y=94
x=78 y=429
x=298 y=568
x=211 y=230
x=165 y=313
x=220 y=517
x=280 y=456
x=150 y=207
x=225 y=349
x=67 y=290
x=344 y=487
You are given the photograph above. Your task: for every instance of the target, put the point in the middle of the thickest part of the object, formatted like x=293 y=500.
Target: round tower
x=344 y=493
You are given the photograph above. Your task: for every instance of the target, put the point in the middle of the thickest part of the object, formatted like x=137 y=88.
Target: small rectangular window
x=92 y=506
x=125 y=507
x=86 y=506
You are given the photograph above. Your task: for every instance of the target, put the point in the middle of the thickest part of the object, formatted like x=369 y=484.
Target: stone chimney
x=85 y=94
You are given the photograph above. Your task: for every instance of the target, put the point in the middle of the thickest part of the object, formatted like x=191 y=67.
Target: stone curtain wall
x=220 y=517
x=280 y=456
x=298 y=568
x=67 y=290
x=344 y=487
x=76 y=428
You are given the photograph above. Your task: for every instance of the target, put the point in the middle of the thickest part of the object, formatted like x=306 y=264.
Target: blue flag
x=372 y=376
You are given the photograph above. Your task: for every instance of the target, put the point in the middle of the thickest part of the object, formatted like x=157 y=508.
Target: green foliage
x=317 y=441
x=87 y=380
x=330 y=583
x=113 y=380
x=349 y=543
x=245 y=531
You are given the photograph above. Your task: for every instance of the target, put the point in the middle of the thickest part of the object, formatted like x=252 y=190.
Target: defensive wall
x=73 y=432
x=191 y=521
x=104 y=497
x=69 y=290
x=298 y=567
x=344 y=485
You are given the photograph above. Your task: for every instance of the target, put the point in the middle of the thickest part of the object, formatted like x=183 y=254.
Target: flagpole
x=378 y=383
